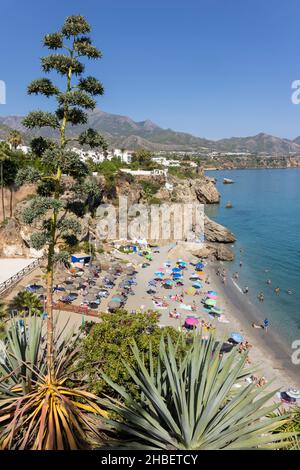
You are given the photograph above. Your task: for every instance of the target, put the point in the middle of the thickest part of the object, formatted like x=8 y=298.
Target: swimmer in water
x=269 y=281
x=277 y=290
x=261 y=297
x=289 y=291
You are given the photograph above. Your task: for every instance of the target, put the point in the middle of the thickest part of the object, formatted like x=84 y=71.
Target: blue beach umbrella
x=176 y=270
x=212 y=292
x=177 y=275
x=183 y=264
x=237 y=337
x=169 y=282
x=197 y=285
x=199 y=266
x=159 y=274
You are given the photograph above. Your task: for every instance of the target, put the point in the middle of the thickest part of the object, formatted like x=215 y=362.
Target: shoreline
x=270 y=357
x=268 y=349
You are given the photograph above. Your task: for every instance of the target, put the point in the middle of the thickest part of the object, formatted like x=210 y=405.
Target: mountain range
x=124 y=132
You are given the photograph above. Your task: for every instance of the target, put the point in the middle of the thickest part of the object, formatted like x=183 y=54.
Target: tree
x=51 y=416
x=78 y=96
x=26 y=303
x=14 y=138
x=143 y=158
x=191 y=403
x=10 y=170
x=111 y=340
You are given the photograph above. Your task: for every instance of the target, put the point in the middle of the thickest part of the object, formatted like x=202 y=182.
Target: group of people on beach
x=223 y=274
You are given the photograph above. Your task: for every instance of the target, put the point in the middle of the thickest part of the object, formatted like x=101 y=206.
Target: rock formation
x=217 y=233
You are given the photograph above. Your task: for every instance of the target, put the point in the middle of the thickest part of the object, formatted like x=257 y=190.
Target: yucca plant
x=293 y=426
x=193 y=403
x=36 y=411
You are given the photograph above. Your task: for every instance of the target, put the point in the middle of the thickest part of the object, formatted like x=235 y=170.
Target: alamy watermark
x=2 y=92
x=174 y=221
x=296 y=354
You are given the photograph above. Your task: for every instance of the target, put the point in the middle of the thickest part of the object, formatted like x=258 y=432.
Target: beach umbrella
x=199 y=266
x=293 y=393
x=169 y=282
x=197 y=285
x=118 y=298
x=176 y=270
x=212 y=292
x=158 y=274
x=182 y=264
x=191 y=321
x=237 y=337
x=191 y=291
x=112 y=305
x=194 y=277
x=210 y=296
x=177 y=275
x=210 y=302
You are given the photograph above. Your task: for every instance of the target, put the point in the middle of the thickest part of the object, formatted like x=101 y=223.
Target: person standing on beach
x=266 y=325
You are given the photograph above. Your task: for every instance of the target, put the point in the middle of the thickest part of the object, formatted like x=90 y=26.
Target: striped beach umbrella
x=210 y=302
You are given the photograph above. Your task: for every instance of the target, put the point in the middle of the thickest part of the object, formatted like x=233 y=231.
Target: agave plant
x=193 y=403
x=36 y=411
x=293 y=425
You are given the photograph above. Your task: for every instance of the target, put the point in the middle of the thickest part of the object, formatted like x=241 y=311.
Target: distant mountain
x=122 y=131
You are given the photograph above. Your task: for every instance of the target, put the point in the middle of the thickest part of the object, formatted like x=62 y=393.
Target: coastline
x=269 y=355
x=269 y=352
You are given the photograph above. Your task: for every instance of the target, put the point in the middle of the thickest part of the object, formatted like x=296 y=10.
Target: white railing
x=11 y=281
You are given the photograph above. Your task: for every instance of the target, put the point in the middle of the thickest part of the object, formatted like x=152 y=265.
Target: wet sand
x=269 y=355
x=268 y=350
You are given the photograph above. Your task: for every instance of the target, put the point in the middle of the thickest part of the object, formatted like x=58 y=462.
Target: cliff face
x=200 y=189
x=15 y=236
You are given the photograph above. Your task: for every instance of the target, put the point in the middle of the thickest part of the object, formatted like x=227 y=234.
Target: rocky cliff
x=15 y=236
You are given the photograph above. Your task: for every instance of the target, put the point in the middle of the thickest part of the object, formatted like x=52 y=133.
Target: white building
x=156 y=172
x=124 y=155
x=99 y=156
x=165 y=162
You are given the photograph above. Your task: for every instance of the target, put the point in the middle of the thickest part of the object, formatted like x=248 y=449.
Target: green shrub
x=109 y=344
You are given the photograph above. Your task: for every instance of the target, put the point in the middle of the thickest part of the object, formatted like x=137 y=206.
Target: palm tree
x=26 y=303
x=14 y=139
x=194 y=404
x=36 y=414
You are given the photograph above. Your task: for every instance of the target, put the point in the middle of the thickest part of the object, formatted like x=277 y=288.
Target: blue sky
x=215 y=68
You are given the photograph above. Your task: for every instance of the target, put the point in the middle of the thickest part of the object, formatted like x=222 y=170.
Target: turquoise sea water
x=266 y=220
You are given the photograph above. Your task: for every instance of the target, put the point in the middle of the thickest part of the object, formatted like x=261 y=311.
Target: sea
x=265 y=218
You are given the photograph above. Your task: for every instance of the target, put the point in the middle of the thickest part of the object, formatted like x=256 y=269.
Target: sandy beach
x=268 y=353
